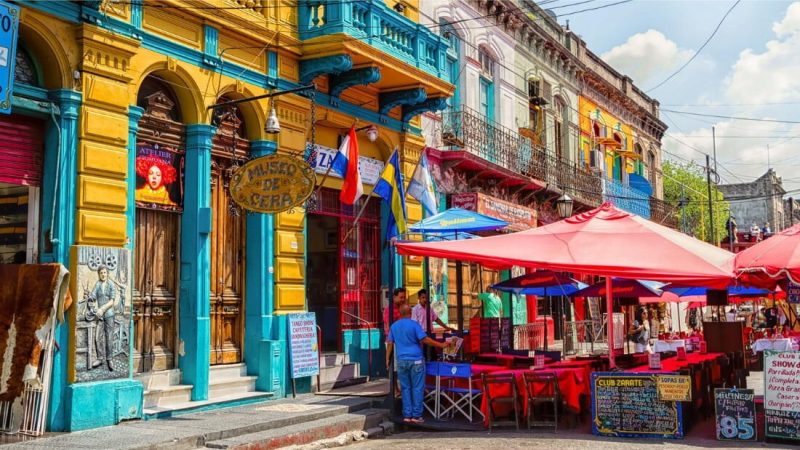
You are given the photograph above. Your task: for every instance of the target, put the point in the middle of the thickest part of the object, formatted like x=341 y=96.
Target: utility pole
x=711 y=234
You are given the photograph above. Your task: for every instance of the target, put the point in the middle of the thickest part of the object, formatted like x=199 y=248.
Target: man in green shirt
x=491 y=304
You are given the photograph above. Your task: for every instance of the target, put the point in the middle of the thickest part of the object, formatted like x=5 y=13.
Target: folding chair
x=541 y=388
x=453 y=398
x=490 y=379
x=430 y=399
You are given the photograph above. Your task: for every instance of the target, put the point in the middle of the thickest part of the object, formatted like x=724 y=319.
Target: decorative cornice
x=388 y=100
x=431 y=104
x=326 y=65
x=361 y=76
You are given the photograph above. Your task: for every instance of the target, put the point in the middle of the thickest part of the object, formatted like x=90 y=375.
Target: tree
x=685 y=186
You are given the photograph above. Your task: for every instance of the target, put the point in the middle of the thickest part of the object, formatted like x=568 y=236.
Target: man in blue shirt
x=406 y=338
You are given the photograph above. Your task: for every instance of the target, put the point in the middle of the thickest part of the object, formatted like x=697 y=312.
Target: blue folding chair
x=452 y=398
x=430 y=399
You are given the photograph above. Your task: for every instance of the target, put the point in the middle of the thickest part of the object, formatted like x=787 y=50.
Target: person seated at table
x=770 y=316
x=755 y=232
x=766 y=231
x=425 y=316
x=640 y=333
x=406 y=338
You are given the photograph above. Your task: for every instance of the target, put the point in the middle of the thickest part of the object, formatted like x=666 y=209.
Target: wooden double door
x=227 y=268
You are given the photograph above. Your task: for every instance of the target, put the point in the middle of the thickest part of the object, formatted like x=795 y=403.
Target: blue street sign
x=9 y=30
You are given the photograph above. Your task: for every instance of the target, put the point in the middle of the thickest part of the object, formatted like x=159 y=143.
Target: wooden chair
x=542 y=389
x=512 y=400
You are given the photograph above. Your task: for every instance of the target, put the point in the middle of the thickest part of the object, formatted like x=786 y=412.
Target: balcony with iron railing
x=469 y=131
x=374 y=23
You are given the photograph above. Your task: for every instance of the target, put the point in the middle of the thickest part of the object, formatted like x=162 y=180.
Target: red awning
x=771 y=260
x=605 y=241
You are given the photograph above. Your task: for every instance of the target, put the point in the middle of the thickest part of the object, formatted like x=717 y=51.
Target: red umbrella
x=605 y=241
x=771 y=260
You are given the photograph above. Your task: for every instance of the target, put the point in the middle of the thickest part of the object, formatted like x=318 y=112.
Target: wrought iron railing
x=663 y=213
x=374 y=23
x=469 y=131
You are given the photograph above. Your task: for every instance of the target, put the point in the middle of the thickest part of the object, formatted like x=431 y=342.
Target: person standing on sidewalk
x=406 y=338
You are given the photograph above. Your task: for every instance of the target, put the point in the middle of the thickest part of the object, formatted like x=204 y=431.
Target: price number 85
x=736 y=428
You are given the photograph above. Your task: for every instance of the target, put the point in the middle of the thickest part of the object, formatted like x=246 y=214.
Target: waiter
x=425 y=316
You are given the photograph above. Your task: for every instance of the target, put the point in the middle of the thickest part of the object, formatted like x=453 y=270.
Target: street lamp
x=273 y=125
x=564 y=205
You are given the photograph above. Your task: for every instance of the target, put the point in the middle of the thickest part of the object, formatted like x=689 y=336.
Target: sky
x=749 y=69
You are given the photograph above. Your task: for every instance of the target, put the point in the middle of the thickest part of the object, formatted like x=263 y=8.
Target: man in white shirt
x=425 y=316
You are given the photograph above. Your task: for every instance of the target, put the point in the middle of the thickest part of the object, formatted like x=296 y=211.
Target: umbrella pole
x=679 y=317
x=459 y=297
x=610 y=322
x=549 y=313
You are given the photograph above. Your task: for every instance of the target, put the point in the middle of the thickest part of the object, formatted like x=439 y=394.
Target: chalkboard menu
x=492 y=332
x=627 y=405
x=735 y=414
x=782 y=394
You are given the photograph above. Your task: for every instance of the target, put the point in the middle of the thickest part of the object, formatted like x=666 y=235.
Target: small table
x=781 y=344
x=669 y=345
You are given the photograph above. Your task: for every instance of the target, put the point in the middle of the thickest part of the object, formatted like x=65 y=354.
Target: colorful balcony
x=626 y=197
x=343 y=37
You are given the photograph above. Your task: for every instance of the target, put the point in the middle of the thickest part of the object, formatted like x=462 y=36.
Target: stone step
x=226 y=386
x=342 y=383
x=177 y=409
x=305 y=432
x=225 y=371
x=155 y=380
x=167 y=395
x=339 y=373
x=333 y=359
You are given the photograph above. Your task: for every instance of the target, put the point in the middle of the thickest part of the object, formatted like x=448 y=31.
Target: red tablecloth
x=509 y=360
x=571 y=383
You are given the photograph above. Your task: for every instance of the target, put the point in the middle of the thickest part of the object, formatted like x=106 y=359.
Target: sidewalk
x=288 y=420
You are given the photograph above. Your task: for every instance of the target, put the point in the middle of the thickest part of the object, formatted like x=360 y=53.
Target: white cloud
x=645 y=56
x=770 y=75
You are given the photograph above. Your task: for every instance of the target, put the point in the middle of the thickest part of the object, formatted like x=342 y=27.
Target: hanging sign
x=9 y=31
x=674 y=388
x=272 y=184
x=303 y=347
x=735 y=412
x=782 y=394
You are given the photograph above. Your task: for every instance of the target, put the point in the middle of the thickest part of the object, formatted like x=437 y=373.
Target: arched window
x=651 y=167
x=152 y=85
x=453 y=59
x=25 y=69
x=561 y=131
x=486 y=88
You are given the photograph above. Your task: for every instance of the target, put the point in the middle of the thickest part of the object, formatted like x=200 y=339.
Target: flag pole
x=360 y=213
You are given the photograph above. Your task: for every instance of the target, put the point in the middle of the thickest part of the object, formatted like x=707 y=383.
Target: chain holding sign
x=272 y=184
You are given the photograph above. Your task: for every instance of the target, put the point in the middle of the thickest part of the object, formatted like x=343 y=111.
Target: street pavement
x=563 y=440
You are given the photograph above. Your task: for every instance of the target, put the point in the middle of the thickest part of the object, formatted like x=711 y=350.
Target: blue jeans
x=411 y=376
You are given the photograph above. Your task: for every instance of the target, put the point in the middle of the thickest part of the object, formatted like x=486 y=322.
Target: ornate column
x=134 y=114
x=195 y=273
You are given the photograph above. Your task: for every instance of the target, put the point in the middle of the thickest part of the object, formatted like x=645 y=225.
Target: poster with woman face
x=159 y=177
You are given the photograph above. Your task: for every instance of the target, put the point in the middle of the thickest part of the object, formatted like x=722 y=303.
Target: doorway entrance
x=343 y=267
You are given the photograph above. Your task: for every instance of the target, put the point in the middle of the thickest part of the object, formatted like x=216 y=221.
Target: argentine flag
x=421 y=186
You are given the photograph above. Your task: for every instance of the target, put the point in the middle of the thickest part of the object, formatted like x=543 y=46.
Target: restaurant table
x=675 y=365
x=780 y=344
x=668 y=345
x=509 y=360
x=571 y=384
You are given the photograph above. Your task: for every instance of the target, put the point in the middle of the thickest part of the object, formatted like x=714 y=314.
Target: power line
x=698 y=50
x=718 y=116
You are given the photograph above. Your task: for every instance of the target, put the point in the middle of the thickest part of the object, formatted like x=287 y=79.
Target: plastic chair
x=452 y=398
x=489 y=380
x=541 y=389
